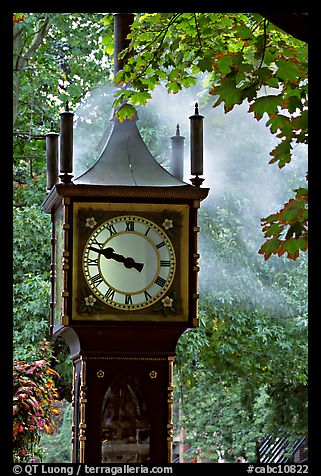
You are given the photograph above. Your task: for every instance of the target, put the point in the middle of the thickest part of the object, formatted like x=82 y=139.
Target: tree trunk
x=22 y=55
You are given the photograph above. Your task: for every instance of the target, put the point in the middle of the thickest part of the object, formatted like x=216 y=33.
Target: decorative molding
x=53 y=275
x=73 y=429
x=112 y=357
x=65 y=261
x=187 y=192
x=195 y=267
x=170 y=389
x=82 y=405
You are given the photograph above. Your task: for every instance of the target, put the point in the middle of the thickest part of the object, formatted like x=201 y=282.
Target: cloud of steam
x=236 y=156
x=91 y=128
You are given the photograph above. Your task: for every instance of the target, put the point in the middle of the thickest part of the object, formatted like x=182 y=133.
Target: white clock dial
x=129 y=262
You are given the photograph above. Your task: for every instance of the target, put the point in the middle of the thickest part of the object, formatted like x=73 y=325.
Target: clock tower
x=123 y=284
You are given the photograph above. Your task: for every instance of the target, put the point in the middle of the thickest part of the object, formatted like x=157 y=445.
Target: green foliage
x=248 y=59
x=63 y=66
x=31 y=282
x=228 y=422
x=57 y=446
x=249 y=355
x=287 y=230
x=51 y=63
x=244 y=363
x=31 y=234
x=31 y=266
x=34 y=398
x=267 y=104
x=127 y=111
x=30 y=314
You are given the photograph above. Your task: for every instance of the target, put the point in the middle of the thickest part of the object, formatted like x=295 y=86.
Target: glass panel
x=125 y=422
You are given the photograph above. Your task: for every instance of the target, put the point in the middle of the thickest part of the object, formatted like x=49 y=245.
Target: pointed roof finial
x=196 y=109
x=177 y=130
x=67 y=105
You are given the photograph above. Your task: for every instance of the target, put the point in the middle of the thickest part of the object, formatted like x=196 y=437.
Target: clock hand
x=128 y=262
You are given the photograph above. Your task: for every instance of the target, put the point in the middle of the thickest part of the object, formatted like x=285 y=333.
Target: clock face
x=129 y=262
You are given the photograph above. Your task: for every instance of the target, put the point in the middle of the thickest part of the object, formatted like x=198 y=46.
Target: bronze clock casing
x=65 y=202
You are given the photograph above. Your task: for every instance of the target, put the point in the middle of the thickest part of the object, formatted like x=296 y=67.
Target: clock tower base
x=122 y=393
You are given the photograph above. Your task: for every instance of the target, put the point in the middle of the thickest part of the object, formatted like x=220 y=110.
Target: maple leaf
x=287 y=70
x=287 y=230
x=281 y=153
x=127 y=111
x=279 y=122
x=268 y=104
x=228 y=93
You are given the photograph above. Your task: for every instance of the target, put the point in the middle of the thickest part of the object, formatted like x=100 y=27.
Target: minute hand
x=108 y=253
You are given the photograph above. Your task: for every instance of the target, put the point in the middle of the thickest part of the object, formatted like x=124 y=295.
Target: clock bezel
x=166 y=279
x=180 y=285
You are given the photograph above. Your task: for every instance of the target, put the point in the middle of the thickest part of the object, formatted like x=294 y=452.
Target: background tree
x=249 y=356
x=52 y=62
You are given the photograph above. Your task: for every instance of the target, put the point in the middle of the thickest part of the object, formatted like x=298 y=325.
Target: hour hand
x=128 y=262
x=131 y=263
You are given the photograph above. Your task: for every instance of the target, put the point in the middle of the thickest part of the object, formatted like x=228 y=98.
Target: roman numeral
x=165 y=263
x=111 y=230
x=128 y=299
x=97 y=279
x=97 y=243
x=160 y=281
x=147 y=231
x=92 y=262
x=160 y=245
x=147 y=295
x=110 y=293
x=130 y=225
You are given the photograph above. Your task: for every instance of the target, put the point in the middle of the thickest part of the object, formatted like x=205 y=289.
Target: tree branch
x=41 y=33
x=264 y=44
x=164 y=32
x=27 y=135
x=198 y=32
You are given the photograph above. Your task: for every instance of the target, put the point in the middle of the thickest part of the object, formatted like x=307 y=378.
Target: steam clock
x=123 y=284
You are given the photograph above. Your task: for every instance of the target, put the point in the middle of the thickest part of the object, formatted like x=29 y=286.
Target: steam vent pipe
x=196 y=142
x=178 y=154
x=66 y=144
x=122 y=24
x=52 y=158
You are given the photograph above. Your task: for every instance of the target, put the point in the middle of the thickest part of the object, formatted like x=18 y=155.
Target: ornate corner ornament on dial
x=130 y=263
